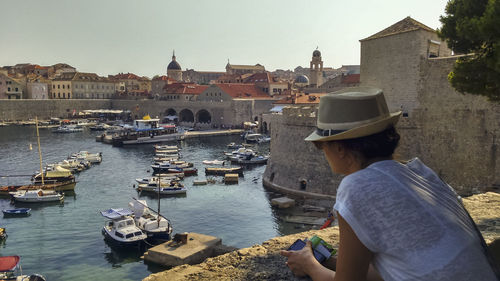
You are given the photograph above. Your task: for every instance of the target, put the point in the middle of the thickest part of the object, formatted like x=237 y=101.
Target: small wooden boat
x=3 y=233
x=166 y=190
x=16 y=212
x=253 y=160
x=37 y=196
x=58 y=186
x=234 y=146
x=11 y=270
x=223 y=171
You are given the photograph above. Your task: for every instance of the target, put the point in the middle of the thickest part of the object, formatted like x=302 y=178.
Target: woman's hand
x=301 y=262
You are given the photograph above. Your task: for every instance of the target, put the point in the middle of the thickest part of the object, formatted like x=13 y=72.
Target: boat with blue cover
x=16 y=212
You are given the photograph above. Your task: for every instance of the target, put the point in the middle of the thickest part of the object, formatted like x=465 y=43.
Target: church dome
x=174 y=65
x=316 y=53
x=302 y=79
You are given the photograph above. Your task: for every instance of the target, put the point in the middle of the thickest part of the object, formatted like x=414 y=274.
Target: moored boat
x=156 y=227
x=121 y=229
x=213 y=162
x=223 y=171
x=147 y=130
x=10 y=269
x=37 y=196
x=15 y=212
x=57 y=186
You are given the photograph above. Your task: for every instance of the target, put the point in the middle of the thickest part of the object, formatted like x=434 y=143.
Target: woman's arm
x=353 y=261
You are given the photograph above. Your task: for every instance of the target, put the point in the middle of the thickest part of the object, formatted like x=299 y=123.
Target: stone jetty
x=263 y=262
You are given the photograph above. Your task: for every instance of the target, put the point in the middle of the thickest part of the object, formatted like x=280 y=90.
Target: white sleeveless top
x=413 y=223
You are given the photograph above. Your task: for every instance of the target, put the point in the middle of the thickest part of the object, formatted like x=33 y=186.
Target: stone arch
x=170 y=112
x=203 y=116
x=186 y=115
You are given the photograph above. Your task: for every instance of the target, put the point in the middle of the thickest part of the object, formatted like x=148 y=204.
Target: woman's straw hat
x=352 y=113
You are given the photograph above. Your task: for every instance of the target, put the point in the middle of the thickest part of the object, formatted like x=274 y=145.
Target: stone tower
x=316 y=70
x=174 y=70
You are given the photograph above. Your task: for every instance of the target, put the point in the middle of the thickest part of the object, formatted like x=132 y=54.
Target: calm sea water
x=64 y=242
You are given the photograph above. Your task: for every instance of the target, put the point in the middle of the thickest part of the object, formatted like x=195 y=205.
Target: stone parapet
x=263 y=262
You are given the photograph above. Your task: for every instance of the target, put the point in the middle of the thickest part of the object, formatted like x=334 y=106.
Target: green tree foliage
x=473 y=27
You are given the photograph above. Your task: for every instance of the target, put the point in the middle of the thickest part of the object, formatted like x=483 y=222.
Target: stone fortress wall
x=233 y=112
x=457 y=135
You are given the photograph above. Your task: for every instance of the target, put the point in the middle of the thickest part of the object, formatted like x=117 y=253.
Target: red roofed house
x=131 y=84
x=268 y=83
x=158 y=83
x=182 y=91
x=227 y=92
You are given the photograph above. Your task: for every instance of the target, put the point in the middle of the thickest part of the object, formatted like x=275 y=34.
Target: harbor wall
x=230 y=113
x=44 y=109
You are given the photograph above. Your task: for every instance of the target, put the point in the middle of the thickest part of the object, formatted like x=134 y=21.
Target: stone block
x=196 y=250
x=283 y=202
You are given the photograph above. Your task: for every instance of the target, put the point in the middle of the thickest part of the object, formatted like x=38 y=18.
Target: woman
x=397 y=221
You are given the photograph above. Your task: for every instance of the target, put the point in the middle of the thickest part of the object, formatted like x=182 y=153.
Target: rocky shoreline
x=263 y=262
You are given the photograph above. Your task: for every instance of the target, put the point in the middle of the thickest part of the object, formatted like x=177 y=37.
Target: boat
x=56 y=175
x=99 y=127
x=164 y=179
x=153 y=185
x=252 y=138
x=264 y=139
x=10 y=269
x=147 y=130
x=68 y=129
x=252 y=160
x=246 y=152
x=233 y=145
x=57 y=186
x=173 y=167
x=213 y=162
x=223 y=171
x=156 y=227
x=16 y=212
x=85 y=155
x=166 y=147
x=41 y=185
x=3 y=233
x=37 y=196
x=121 y=230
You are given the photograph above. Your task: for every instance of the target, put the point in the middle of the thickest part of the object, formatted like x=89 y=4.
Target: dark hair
x=377 y=145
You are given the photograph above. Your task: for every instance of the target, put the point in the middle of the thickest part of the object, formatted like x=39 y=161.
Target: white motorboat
x=68 y=129
x=37 y=196
x=241 y=159
x=164 y=179
x=147 y=130
x=153 y=186
x=166 y=147
x=213 y=162
x=121 y=229
x=156 y=227
x=85 y=155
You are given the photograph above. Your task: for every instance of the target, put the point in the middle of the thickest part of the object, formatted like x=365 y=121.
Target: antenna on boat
x=39 y=149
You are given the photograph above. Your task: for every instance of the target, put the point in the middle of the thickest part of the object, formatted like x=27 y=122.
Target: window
x=59 y=86
x=17 y=89
x=8 y=89
x=64 y=95
x=63 y=86
x=53 y=86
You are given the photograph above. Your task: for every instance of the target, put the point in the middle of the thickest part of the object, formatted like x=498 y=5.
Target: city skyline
x=139 y=37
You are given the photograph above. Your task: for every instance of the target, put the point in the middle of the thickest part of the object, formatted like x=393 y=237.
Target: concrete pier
x=196 y=250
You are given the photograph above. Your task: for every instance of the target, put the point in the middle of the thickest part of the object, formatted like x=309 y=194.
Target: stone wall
x=263 y=262
x=232 y=112
x=44 y=109
x=294 y=160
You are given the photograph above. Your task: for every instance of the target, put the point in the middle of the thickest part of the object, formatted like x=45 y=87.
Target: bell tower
x=316 y=70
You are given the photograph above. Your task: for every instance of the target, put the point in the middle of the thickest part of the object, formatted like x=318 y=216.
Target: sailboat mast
x=159 y=185
x=39 y=149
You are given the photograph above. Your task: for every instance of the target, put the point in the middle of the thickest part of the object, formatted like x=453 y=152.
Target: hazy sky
x=111 y=36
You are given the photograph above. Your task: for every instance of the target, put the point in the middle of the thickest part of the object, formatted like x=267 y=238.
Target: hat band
x=329 y=132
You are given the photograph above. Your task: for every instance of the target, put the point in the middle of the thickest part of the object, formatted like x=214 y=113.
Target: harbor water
x=64 y=242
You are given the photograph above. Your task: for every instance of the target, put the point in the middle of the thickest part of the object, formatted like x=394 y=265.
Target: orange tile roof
x=126 y=76
x=184 y=88
x=351 y=79
x=239 y=90
x=301 y=98
x=164 y=78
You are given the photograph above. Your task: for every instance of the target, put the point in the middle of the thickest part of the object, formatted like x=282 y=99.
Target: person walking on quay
x=397 y=220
